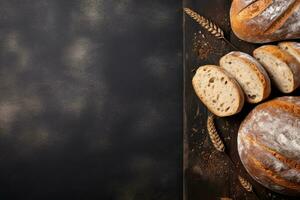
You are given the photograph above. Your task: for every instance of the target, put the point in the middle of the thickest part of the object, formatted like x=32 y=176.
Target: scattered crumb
x=200 y=46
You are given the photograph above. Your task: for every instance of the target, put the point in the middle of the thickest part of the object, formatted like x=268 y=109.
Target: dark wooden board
x=209 y=174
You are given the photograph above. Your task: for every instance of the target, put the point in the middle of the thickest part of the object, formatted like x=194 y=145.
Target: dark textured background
x=90 y=102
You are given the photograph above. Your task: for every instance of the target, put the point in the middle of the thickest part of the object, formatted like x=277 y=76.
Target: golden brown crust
x=293 y=48
x=270 y=165
x=253 y=9
x=277 y=52
x=251 y=22
x=266 y=174
x=258 y=167
x=279 y=22
x=281 y=105
x=289 y=162
x=263 y=76
x=293 y=64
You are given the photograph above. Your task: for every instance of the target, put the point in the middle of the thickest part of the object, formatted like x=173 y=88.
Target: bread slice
x=251 y=76
x=293 y=48
x=220 y=93
x=283 y=69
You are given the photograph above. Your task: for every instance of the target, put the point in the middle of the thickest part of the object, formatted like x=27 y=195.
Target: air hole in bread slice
x=279 y=71
x=252 y=96
x=248 y=72
x=211 y=80
x=223 y=92
x=292 y=48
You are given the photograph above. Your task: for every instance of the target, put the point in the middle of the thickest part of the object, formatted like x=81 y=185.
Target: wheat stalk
x=246 y=185
x=208 y=25
x=219 y=145
x=205 y=23
x=213 y=134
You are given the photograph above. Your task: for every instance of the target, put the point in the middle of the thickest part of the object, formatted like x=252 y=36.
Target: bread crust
x=273 y=157
x=285 y=57
x=258 y=69
x=293 y=48
x=237 y=88
x=261 y=21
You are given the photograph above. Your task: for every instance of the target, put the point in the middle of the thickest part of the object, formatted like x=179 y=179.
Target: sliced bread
x=218 y=90
x=283 y=69
x=293 y=48
x=251 y=76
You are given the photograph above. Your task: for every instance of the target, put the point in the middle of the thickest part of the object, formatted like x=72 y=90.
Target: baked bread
x=219 y=92
x=293 y=48
x=249 y=73
x=283 y=69
x=261 y=21
x=269 y=144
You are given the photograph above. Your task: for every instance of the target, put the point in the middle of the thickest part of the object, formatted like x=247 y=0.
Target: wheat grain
x=246 y=185
x=205 y=23
x=213 y=134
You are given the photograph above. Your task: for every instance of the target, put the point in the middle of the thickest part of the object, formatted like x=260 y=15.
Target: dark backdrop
x=90 y=102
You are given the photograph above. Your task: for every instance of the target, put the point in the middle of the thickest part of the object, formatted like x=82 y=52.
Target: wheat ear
x=213 y=134
x=208 y=25
x=246 y=185
x=205 y=23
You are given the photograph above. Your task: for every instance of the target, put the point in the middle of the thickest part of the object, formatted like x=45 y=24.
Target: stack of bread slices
x=223 y=89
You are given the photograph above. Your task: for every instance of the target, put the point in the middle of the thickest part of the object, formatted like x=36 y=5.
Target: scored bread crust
x=261 y=21
x=293 y=48
x=196 y=85
x=292 y=63
x=258 y=70
x=268 y=144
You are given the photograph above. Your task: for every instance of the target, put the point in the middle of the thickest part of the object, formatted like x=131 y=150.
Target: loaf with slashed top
x=269 y=144
x=261 y=21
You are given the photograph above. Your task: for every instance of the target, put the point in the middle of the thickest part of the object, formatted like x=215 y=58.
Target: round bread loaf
x=269 y=144
x=261 y=21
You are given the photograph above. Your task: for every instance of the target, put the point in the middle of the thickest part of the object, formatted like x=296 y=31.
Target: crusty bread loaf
x=261 y=21
x=269 y=144
x=251 y=76
x=293 y=48
x=283 y=69
x=220 y=93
